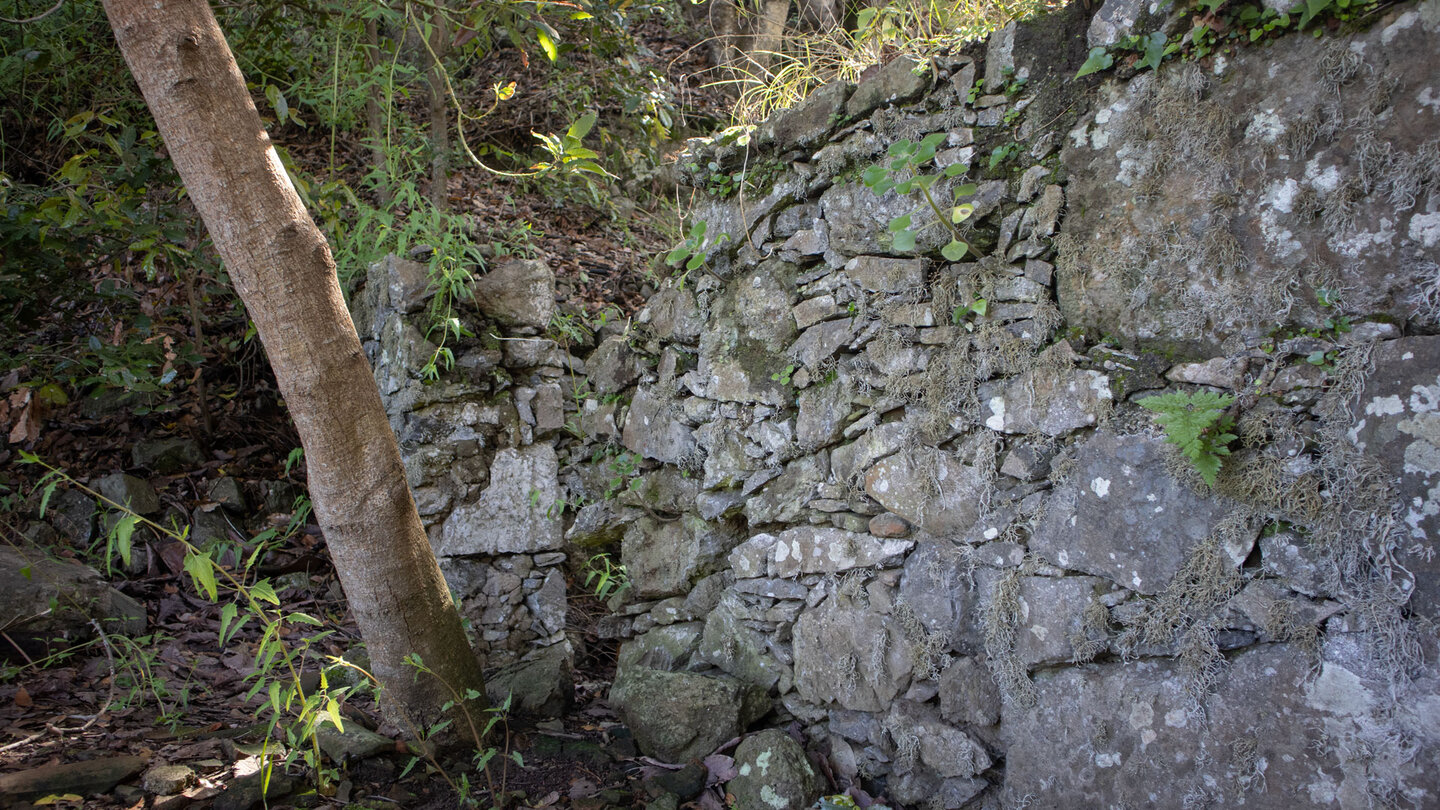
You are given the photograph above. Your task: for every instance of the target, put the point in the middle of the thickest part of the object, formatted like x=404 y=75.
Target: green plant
x=1003 y=152
x=569 y=159
x=624 y=470
x=964 y=316
x=451 y=283
x=902 y=173
x=604 y=577
x=915 y=29
x=291 y=711
x=1198 y=424
x=692 y=251
x=482 y=755
x=783 y=377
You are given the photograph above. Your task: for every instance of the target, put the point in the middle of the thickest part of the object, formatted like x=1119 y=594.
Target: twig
x=28 y=20
x=109 y=699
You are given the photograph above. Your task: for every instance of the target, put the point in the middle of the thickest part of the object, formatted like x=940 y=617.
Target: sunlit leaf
x=202 y=570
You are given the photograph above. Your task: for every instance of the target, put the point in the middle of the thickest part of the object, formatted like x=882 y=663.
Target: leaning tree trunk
x=282 y=268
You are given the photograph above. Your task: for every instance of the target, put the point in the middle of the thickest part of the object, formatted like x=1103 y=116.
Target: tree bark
x=439 y=111
x=375 y=115
x=282 y=269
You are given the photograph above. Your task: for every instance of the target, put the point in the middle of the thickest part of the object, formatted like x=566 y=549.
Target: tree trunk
x=283 y=271
x=439 y=111
x=375 y=115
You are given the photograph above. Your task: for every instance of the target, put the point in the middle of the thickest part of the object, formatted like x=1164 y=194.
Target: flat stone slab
x=1397 y=420
x=1270 y=736
x=509 y=516
x=81 y=778
x=1120 y=514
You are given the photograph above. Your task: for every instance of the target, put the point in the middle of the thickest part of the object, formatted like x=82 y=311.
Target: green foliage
x=605 y=578
x=1099 y=59
x=783 y=377
x=692 y=251
x=569 y=159
x=623 y=474
x=1152 y=50
x=902 y=172
x=841 y=802
x=291 y=712
x=478 y=733
x=918 y=29
x=1198 y=424
x=451 y=283
x=965 y=316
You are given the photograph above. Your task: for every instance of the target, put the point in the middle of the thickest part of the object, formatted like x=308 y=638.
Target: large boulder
x=1397 y=422
x=1271 y=734
x=43 y=599
x=540 y=684
x=676 y=716
x=1278 y=142
x=851 y=657
x=662 y=557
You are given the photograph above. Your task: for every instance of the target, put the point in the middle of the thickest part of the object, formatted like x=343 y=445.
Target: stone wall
x=943 y=538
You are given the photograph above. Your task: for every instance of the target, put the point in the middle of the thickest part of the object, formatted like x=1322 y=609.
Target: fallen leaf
x=721 y=769
x=22 y=698
x=27 y=423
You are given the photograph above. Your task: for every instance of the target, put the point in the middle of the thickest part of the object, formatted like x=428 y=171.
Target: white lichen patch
x=1406 y=20
x=1422 y=509
x=1429 y=99
x=1384 y=406
x=1339 y=691
x=1279 y=199
x=1322 y=179
x=1100 y=486
x=996 y=421
x=1425 y=229
x=1422 y=456
x=1358 y=244
x=1265 y=127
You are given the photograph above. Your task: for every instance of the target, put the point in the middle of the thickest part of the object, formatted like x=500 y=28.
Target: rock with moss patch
x=518 y=292
x=773 y=773
x=679 y=715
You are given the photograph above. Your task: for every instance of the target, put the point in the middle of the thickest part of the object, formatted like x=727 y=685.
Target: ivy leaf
x=955 y=251
x=1154 y=51
x=904 y=240
x=961 y=212
x=899 y=223
x=956 y=169
x=1099 y=60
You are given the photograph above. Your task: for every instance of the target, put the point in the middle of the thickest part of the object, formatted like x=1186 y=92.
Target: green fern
x=1198 y=425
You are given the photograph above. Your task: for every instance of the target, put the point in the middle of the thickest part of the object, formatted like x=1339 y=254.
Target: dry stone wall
x=941 y=536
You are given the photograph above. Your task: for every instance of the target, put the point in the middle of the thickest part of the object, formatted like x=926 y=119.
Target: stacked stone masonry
x=943 y=538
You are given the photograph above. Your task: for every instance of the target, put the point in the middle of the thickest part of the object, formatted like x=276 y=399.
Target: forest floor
x=109 y=711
